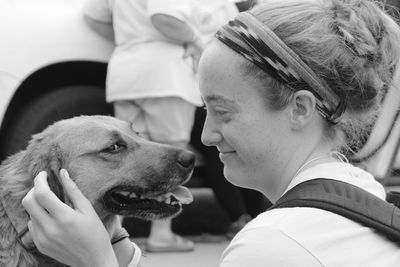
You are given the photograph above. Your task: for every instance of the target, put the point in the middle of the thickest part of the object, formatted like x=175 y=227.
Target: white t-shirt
x=144 y=63
x=313 y=237
x=136 y=257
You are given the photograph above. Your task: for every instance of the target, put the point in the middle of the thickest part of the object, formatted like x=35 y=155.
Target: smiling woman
x=235 y=119
x=289 y=86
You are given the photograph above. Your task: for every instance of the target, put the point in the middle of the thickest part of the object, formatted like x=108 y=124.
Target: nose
x=186 y=159
x=209 y=136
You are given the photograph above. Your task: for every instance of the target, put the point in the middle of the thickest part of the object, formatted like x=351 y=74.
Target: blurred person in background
x=151 y=76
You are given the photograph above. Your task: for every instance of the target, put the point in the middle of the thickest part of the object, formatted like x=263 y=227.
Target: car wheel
x=56 y=105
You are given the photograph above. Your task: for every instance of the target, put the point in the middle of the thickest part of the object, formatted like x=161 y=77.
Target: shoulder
x=309 y=237
x=100 y=10
x=266 y=246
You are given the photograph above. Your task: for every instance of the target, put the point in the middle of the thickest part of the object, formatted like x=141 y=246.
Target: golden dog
x=117 y=170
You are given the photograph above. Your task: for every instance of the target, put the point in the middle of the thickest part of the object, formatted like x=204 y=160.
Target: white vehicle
x=52 y=66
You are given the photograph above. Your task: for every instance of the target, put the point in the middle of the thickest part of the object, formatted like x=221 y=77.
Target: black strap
x=346 y=200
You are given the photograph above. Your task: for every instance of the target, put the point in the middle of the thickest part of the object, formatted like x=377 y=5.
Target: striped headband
x=257 y=43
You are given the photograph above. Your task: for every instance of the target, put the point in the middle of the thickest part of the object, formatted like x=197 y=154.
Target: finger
x=27 y=239
x=33 y=233
x=46 y=198
x=78 y=200
x=34 y=209
x=37 y=233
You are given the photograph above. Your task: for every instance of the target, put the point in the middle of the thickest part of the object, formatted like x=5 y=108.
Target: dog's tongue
x=182 y=194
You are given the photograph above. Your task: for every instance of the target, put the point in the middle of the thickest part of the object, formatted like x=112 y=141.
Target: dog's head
x=119 y=172
x=116 y=169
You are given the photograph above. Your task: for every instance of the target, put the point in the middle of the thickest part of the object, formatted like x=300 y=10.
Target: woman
x=288 y=87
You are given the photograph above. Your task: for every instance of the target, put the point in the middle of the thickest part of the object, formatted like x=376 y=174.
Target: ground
x=207 y=253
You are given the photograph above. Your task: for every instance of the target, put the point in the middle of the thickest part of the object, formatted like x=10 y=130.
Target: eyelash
x=221 y=113
x=114 y=148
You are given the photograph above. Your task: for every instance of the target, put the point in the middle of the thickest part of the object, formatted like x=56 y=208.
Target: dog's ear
x=44 y=154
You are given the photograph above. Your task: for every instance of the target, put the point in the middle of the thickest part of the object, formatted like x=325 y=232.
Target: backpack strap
x=346 y=200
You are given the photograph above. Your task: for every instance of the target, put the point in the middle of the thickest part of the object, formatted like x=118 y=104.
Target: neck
x=17 y=221
x=329 y=157
x=297 y=161
x=16 y=254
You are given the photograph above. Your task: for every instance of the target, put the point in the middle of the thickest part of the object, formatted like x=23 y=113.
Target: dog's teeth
x=168 y=201
x=132 y=195
x=160 y=198
x=168 y=195
x=124 y=193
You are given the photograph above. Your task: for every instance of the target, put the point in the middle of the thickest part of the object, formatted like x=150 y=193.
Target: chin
x=239 y=178
x=234 y=177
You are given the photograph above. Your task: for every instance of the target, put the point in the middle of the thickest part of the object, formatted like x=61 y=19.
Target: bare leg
x=161 y=238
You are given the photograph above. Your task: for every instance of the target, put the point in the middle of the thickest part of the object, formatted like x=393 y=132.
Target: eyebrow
x=219 y=99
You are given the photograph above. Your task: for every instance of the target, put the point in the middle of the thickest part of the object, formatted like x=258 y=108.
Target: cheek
x=260 y=145
x=91 y=177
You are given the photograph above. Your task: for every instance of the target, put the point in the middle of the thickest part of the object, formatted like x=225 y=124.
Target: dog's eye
x=114 y=148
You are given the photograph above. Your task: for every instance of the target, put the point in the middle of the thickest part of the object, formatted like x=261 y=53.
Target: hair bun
x=359 y=31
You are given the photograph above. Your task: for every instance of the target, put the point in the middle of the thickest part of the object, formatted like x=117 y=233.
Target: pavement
x=207 y=252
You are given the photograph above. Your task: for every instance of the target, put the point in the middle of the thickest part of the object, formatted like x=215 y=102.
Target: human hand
x=194 y=50
x=72 y=235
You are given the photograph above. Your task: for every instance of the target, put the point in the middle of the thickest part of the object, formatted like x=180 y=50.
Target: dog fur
x=101 y=154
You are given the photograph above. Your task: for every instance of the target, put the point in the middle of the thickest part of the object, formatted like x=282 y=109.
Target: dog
x=120 y=173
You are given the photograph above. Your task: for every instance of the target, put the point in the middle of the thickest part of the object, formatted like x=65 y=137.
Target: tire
x=62 y=103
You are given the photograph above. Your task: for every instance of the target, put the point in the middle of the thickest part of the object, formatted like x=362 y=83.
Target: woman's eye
x=222 y=112
x=114 y=148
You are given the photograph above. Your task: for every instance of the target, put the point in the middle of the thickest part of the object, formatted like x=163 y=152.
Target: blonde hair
x=354 y=45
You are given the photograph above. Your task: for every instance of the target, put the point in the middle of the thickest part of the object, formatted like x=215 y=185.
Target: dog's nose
x=186 y=159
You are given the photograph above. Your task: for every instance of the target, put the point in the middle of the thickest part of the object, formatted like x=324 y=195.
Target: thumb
x=75 y=196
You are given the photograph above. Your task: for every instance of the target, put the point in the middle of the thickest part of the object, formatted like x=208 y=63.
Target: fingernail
x=64 y=173
x=42 y=174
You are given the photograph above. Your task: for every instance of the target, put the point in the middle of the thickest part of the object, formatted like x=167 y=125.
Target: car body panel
x=32 y=43
x=8 y=85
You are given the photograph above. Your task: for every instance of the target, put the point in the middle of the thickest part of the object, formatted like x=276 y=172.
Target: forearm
x=109 y=262
x=104 y=258
x=105 y=29
x=174 y=29
x=124 y=251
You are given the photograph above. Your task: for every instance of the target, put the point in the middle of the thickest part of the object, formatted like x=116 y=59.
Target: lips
x=224 y=156
x=225 y=150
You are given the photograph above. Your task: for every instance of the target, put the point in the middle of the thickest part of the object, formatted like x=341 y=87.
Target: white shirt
x=313 y=237
x=146 y=64
x=136 y=257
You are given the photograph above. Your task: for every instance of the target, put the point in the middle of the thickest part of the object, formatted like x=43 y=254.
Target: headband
x=257 y=43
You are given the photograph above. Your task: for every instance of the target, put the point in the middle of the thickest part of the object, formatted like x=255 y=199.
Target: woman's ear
x=302 y=108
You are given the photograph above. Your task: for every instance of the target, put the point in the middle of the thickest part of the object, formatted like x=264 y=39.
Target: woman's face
x=248 y=135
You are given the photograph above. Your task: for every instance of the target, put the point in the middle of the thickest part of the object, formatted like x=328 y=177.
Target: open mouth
x=149 y=206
